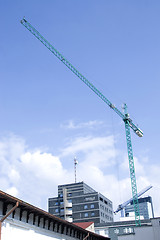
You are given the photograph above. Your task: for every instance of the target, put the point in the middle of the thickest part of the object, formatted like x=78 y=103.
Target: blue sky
x=48 y=115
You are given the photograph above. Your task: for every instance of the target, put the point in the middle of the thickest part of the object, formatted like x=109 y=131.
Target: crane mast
x=125 y=117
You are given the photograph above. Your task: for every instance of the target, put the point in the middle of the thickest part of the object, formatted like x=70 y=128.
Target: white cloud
x=12 y=191
x=89 y=144
x=33 y=175
x=100 y=150
x=29 y=174
x=14 y=175
x=42 y=164
x=91 y=124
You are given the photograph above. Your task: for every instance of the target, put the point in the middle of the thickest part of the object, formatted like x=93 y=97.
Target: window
x=97 y=231
x=92 y=214
x=69 y=194
x=106 y=232
x=56 y=203
x=86 y=214
x=61 y=203
x=85 y=207
x=116 y=231
x=101 y=199
x=130 y=230
x=61 y=195
x=127 y=230
x=110 y=205
x=69 y=209
x=70 y=200
x=92 y=205
x=56 y=210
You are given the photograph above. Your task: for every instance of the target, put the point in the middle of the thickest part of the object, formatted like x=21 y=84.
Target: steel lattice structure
x=128 y=122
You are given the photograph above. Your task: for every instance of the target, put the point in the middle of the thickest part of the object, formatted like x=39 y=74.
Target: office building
x=145 y=208
x=77 y=202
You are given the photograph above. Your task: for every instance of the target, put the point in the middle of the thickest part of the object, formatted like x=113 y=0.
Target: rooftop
x=83 y=225
x=59 y=225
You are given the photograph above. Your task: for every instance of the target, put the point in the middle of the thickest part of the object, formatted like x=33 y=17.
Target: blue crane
x=123 y=205
x=125 y=117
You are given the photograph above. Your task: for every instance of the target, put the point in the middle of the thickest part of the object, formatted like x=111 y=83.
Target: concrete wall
x=149 y=230
x=144 y=233
x=141 y=233
x=156 y=228
x=14 y=229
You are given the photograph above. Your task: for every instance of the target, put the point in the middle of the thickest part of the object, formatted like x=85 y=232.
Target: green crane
x=127 y=121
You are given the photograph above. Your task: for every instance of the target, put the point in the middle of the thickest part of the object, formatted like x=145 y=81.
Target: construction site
x=110 y=190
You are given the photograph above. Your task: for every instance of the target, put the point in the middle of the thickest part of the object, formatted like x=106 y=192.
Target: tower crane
x=123 y=205
x=124 y=116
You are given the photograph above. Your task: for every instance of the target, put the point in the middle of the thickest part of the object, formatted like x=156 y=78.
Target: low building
x=127 y=230
x=78 y=202
x=20 y=220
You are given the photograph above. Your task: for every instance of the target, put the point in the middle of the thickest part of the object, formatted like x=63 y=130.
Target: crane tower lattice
x=128 y=122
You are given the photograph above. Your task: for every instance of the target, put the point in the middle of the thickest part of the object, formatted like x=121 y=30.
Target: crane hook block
x=139 y=133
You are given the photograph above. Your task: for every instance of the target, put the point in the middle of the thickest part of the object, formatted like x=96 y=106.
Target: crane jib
x=76 y=72
x=128 y=122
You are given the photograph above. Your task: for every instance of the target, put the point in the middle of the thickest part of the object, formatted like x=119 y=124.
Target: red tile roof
x=83 y=225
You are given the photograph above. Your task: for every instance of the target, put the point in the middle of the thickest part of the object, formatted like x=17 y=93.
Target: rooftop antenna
x=75 y=169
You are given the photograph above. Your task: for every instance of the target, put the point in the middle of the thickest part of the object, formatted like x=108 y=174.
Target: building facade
x=127 y=230
x=145 y=208
x=20 y=220
x=78 y=202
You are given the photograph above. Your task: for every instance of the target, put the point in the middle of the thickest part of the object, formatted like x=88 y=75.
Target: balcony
x=68 y=212
x=69 y=219
x=68 y=204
